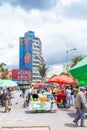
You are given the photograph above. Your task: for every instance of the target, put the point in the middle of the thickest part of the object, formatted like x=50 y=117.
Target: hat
x=82 y=88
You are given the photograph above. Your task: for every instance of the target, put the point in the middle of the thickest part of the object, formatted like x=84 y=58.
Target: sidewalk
x=21 y=117
x=26 y=128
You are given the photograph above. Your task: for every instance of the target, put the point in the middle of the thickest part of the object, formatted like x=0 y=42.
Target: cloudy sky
x=60 y=24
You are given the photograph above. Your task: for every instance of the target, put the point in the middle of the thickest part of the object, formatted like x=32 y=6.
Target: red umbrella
x=39 y=85
x=62 y=79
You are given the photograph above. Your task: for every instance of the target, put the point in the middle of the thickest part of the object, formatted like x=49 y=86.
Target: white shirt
x=68 y=92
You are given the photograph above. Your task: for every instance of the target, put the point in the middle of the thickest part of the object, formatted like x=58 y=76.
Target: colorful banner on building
x=25 y=54
x=26 y=51
x=24 y=76
x=15 y=74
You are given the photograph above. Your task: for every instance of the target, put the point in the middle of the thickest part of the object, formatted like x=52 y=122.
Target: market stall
x=44 y=103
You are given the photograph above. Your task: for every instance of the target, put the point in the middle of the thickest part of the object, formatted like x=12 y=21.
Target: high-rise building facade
x=30 y=55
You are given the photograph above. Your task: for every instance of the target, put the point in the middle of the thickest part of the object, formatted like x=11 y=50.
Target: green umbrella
x=82 y=82
x=79 y=71
x=7 y=83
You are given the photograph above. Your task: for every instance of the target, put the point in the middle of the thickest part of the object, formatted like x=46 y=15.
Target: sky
x=61 y=25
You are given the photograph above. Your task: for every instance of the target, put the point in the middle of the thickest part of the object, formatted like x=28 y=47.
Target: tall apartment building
x=30 y=54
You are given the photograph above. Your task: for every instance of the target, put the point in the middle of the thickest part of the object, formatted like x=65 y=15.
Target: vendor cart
x=43 y=106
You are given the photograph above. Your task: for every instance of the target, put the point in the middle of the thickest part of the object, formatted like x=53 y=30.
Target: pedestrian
x=1 y=101
x=72 y=96
x=82 y=106
x=5 y=98
x=68 y=96
x=9 y=96
x=23 y=91
x=29 y=94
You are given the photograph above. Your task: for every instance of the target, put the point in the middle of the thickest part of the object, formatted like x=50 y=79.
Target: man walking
x=82 y=106
x=5 y=99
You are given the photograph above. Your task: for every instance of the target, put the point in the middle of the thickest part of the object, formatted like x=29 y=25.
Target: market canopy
x=7 y=83
x=39 y=85
x=82 y=82
x=62 y=79
x=79 y=71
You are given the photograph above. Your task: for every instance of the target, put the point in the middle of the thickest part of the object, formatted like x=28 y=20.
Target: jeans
x=81 y=115
x=68 y=101
x=72 y=99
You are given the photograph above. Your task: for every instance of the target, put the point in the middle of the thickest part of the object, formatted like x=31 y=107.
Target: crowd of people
x=66 y=96
x=74 y=96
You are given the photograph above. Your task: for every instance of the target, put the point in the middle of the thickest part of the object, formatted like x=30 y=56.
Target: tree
x=75 y=60
x=2 y=67
x=64 y=73
x=43 y=70
x=53 y=76
x=3 y=71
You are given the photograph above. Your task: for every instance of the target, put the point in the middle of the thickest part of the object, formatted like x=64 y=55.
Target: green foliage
x=64 y=73
x=75 y=60
x=52 y=76
x=43 y=70
x=2 y=67
x=4 y=71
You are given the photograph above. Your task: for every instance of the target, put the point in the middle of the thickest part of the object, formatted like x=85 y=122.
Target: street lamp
x=67 y=51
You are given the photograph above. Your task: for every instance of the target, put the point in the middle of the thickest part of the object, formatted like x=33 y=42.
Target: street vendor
x=35 y=95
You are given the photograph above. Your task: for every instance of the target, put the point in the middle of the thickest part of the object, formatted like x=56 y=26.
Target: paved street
x=20 y=116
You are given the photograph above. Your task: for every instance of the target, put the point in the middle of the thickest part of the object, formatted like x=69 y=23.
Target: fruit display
x=43 y=98
x=34 y=99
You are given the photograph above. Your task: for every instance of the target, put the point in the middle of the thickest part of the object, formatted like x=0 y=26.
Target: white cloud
x=55 y=69
x=68 y=2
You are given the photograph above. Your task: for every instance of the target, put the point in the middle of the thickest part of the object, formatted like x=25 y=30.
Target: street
x=20 y=116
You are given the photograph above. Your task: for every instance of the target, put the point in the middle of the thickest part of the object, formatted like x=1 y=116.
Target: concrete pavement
x=25 y=128
x=20 y=116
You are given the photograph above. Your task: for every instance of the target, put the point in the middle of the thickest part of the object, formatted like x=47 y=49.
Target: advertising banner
x=24 y=76
x=25 y=58
x=15 y=74
x=25 y=53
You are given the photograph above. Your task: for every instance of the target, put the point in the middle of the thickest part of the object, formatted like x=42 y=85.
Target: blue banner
x=26 y=51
